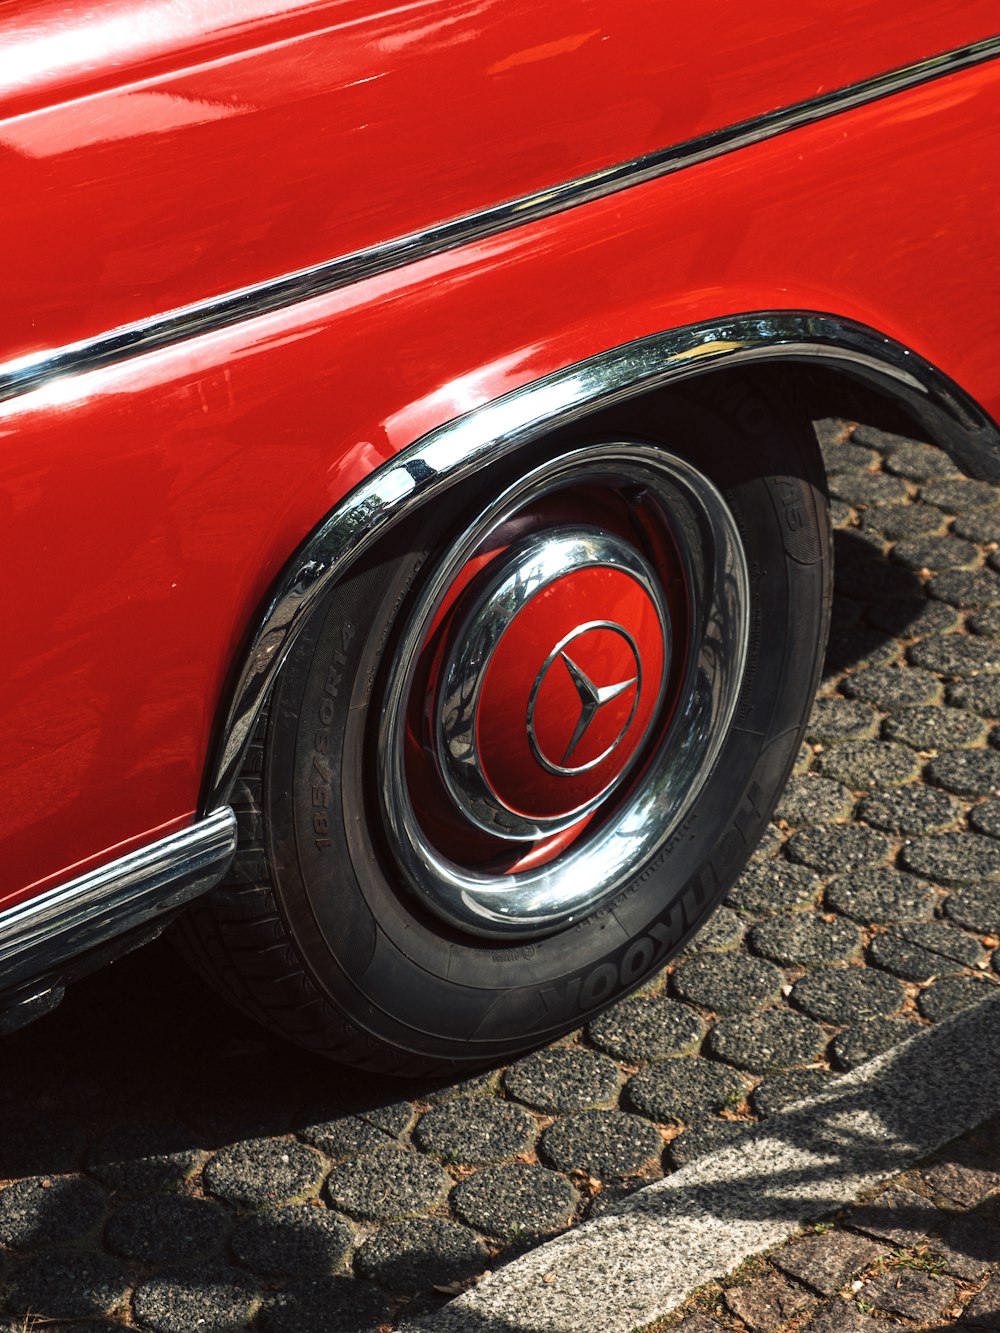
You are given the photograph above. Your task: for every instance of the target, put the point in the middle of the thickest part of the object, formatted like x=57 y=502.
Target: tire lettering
x=322 y=787
x=641 y=956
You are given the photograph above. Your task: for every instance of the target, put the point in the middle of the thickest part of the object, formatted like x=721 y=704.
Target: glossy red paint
x=156 y=154
x=533 y=681
x=147 y=508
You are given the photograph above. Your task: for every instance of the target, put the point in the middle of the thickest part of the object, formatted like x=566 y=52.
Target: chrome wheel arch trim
x=43 y=933
x=456 y=450
x=23 y=374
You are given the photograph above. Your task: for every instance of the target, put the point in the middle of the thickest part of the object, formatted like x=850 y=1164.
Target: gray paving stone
x=966 y=1244
x=863 y=1041
x=347 y=1136
x=838 y=848
x=256 y=1172
x=868 y=488
x=864 y=765
x=520 y=1201
x=603 y=1144
x=983 y=1311
x=49 y=1210
x=697 y=1140
x=647 y=1027
x=920 y=462
x=934 y=728
x=563 y=1079
x=841 y=514
x=684 y=1090
x=374 y=1100
x=844 y=613
x=727 y=984
x=766 y=1302
x=805 y=940
x=912 y=616
x=292 y=1240
x=143 y=1157
x=966 y=1176
x=976 y=909
x=950 y=995
x=891 y=687
x=827 y=1260
x=774 y=886
x=935 y=553
x=771 y=841
x=881 y=895
x=960 y=494
x=450 y=1089
x=953 y=859
x=67 y=1284
x=863 y=647
x=966 y=772
x=898 y=1216
x=421 y=1253
x=971 y=588
x=841 y=719
x=901 y=522
x=914 y=809
x=167 y=1229
x=211 y=1300
x=387 y=1184
x=978 y=526
x=811 y=799
x=476 y=1130
x=986 y=622
x=847 y=994
x=985 y=818
x=325 y=1305
x=921 y=950
x=722 y=932
x=764 y=1043
x=955 y=655
x=610 y=1200
x=697 y=1323
x=839 y=1316
x=922 y=1296
x=882 y=441
x=981 y=695
x=780 y=1091
x=845 y=456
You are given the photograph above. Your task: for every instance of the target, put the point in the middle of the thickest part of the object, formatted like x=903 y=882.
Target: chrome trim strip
x=29 y=372
x=41 y=934
x=460 y=448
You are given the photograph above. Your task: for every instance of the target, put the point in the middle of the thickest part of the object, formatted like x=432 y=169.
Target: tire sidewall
x=405 y=977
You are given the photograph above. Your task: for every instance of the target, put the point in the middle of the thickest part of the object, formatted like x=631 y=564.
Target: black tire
x=317 y=934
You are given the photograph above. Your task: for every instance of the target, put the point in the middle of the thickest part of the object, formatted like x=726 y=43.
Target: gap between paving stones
x=633 y=1266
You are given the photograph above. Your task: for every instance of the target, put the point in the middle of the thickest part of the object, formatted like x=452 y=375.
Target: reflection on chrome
x=631 y=828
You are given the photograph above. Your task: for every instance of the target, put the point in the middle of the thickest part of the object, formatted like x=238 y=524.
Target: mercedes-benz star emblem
x=592 y=699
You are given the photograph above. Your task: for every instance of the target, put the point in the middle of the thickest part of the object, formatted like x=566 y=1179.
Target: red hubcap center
x=571 y=690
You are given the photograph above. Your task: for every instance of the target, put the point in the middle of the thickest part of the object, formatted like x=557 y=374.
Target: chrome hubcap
x=562 y=687
x=520 y=722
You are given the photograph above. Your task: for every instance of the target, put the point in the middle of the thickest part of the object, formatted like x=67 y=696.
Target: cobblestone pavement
x=165 y=1165
x=921 y=1253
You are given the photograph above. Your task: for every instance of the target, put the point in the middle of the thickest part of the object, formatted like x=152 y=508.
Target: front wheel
x=530 y=742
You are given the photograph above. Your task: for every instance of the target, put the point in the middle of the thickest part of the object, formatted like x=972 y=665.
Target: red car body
x=253 y=252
